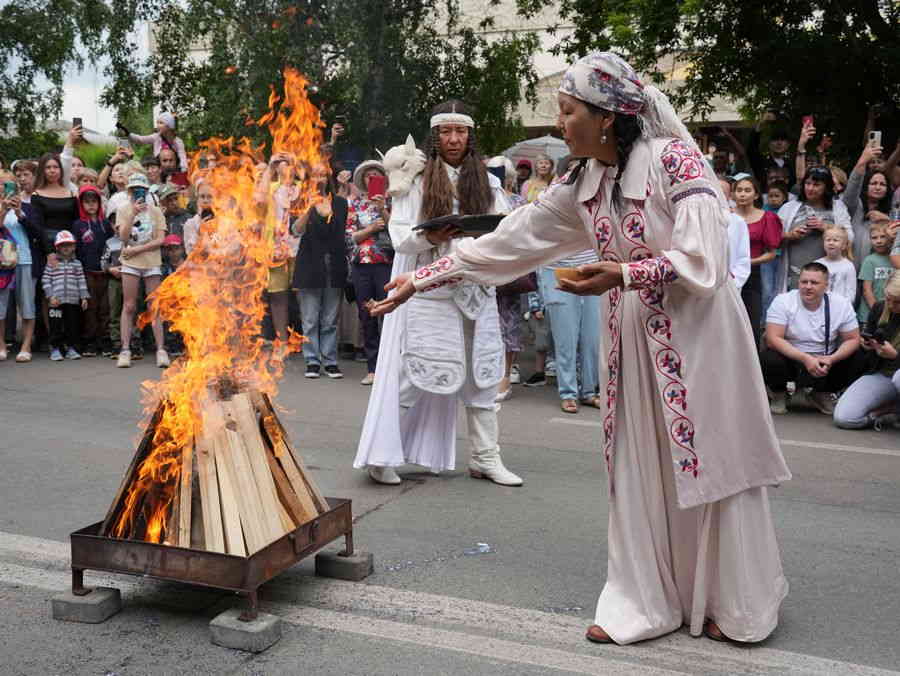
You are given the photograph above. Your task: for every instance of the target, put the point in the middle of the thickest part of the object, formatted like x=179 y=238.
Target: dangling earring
x=603 y=137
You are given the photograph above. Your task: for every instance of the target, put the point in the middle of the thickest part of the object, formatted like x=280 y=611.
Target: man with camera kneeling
x=813 y=340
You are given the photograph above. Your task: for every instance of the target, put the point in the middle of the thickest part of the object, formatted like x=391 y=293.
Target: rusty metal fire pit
x=241 y=574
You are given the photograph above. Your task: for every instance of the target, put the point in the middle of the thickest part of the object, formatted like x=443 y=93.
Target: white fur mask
x=403 y=164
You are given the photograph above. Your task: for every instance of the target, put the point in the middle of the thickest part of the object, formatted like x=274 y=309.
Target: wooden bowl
x=571 y=274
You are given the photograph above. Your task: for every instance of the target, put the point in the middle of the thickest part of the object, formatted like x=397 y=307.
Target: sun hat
x=63 y=237
x=361 y=170
x=166 y=190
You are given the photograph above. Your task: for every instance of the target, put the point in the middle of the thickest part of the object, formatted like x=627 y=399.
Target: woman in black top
x=320 y=275
x=53 y=206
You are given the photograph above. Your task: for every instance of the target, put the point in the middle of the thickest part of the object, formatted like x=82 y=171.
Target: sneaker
x=72 y=353
x=823 y=401
x=778 y=405
x=312 y=371
x=162 y=359
x=89 y=351
x=537 y=380
x=124 y=360
x=368 y=380
x=800 y=399
x=360 y=357
x=333 y=372
x=4 y=355
x=23 y=357
x=503 y=396
x=55 y=355
x=137 y=354
x=515 y=377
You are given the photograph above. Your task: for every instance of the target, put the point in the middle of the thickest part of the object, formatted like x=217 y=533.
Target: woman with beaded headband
x=446 y=345
x=688 y=439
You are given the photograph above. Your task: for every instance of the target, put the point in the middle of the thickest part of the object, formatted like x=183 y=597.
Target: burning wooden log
x=238 y=487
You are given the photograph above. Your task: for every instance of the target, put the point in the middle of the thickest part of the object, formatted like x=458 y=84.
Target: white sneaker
x=550 y=368
x=503 y=396
x=72 y=353
x=56 y=355
x=162 y=359
x=514 y=376
x=778 y=405
x=124 y=360
x=384 y=475
x=368 y=380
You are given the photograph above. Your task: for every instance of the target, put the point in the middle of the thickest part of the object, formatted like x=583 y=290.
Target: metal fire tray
x=241 y=574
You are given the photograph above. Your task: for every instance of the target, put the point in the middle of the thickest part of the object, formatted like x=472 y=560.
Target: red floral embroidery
x=444 y=282
x=651 y=272
x=440 y=265
x=681 y=162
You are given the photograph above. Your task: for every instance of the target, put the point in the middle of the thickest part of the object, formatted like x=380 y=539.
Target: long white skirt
x=670 y=566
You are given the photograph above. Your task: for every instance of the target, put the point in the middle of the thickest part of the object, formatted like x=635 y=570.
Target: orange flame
x=215 y=300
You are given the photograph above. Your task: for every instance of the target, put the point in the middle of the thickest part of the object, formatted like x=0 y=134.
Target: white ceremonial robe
x=412 y=420
x=688 y=437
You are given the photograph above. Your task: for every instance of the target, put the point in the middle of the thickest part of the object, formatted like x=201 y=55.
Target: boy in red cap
x=66 y=290
x=91 y=232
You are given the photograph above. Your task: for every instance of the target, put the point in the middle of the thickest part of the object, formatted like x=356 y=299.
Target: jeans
x=769 y=274
x=318 y=312
x=575 y=325
x=865 y=395
x=368 y=282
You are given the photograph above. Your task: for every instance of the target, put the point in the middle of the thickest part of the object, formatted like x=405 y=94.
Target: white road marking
x=785 y=442
x=529 y=636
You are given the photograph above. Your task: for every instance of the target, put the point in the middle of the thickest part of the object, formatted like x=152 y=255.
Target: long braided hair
x=627 y=130
x=472 y=189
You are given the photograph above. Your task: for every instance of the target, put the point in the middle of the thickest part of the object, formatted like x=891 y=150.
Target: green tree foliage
x=380 y=63
x=40 y=40
x=834 y=59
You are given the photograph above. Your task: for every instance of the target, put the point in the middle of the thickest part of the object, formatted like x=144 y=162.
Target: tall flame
x=215 y=301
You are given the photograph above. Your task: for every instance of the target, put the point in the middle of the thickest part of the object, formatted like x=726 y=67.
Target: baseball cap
x=138 y=180
x=64 y=237
x=172 y=240
x=523 y=163
x=166 y=190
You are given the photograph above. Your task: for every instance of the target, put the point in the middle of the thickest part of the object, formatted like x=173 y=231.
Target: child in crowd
x=66 y=290
x=875 y=271
x=776 y=196
x=838 y=260
x=173 y=257
x=109 y=263
x=539 y=325
x=87 y=177
x=8 y=263
x=91 y=231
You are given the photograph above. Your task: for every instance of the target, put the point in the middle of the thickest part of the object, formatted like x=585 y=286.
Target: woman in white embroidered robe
x=688 y=437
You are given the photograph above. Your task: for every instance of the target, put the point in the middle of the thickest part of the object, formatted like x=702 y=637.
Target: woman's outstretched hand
x=599 y=278
x=402 y=288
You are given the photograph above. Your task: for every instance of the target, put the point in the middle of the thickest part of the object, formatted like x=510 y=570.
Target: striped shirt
x=583 y=258
x=66 y=282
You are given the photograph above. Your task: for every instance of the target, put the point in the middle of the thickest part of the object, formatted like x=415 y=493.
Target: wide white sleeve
x=541 y=232
x=404 y=217
x=739 y=250
x=65 y=161
x=697 y=258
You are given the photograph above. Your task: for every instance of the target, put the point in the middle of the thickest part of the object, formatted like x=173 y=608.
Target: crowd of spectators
x=814 y=252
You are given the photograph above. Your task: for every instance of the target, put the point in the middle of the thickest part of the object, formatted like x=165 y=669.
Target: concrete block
x=254 y=636
x=353 y=568
x=98 y=605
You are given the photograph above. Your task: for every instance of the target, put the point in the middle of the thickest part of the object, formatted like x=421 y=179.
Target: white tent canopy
x=554 y=147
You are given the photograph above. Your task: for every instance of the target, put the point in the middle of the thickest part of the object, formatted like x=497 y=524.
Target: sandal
x=595 y=634
x=711 y=630
x=593 y=401
x=569 y=406
x=23 y=357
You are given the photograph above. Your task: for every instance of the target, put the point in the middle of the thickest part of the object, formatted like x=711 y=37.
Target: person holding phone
x=371 y=252
x=142 y=229
x=164 y=137
x=878 y=392
x=868 y=200
x=805 y=220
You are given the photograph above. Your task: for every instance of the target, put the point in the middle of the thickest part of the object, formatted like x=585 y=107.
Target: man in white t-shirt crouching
x=813 y=340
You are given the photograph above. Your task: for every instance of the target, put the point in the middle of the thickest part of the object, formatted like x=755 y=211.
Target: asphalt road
x=437 y=603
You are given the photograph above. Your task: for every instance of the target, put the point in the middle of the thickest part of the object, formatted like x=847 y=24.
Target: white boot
x=384 y=475
x=486 y=462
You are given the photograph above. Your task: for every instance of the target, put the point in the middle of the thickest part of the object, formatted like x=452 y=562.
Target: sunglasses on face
x=819 y=173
